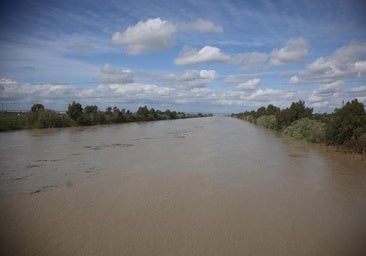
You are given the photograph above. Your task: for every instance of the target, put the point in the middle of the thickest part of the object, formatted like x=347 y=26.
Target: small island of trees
x=345 y=128
x=76 y=115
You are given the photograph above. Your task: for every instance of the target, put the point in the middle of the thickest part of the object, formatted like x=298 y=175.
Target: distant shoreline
x=40 y=118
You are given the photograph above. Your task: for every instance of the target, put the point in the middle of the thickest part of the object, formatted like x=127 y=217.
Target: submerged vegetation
x=344 y=128
x=39 y=117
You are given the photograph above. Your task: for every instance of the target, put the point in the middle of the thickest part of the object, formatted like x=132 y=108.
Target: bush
x=12 y=121
x=48 y=119
x=309 y=130
x=268 y=121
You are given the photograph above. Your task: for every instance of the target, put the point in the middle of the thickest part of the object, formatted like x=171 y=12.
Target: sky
x=192 y=56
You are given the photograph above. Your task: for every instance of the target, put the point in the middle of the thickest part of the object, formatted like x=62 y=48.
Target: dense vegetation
x=39 y=117
x=345 y=127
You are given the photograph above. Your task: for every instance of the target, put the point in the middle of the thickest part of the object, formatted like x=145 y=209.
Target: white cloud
x=358 y=92
x=345 y=63
x=58 y=96
x=157 y=34
x=201 y=25
x=146 y=36
x=265 y=94
x=17 y=94
x=294 y=80
x=117 y=76
x=192 y=78
x=294 y=50
x=208 y=54
x=329 y=89
x=249 y=85
x=359 y=89
x=133 y=91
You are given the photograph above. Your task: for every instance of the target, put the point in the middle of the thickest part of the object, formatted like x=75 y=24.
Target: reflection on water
x=208 y=186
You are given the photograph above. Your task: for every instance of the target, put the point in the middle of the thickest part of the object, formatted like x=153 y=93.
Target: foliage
x=296 y=111
x=37 y=108
x=47 y=119
x=306 y=129
x=268 y=121
x=39 y=117
x=74 y=110
x=12 y=121
x=347 y=125
x=272 y=110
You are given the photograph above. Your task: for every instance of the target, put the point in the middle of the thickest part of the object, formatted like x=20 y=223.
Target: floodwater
x=207 y=186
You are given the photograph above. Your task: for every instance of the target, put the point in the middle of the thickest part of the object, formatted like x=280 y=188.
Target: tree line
x=345 y=127
x=76 y=114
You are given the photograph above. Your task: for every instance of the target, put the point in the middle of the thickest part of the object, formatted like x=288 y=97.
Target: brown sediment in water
x=223 y=188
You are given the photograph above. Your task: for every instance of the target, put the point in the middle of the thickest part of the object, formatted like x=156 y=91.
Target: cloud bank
x=348 y=62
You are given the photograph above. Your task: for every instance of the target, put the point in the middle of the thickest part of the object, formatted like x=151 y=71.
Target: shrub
x=268 y=121
x=49 y=119
x=307 y=129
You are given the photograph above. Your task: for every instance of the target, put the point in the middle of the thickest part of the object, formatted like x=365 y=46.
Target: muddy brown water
x=208 y=186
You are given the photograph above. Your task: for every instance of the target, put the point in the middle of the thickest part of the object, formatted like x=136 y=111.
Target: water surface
x=207 y=186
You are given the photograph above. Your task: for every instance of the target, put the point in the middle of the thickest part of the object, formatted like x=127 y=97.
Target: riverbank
x=39 y=117
x=343 y=131
x=328 y=148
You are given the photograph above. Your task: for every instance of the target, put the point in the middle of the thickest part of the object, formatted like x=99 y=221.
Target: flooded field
x=207 y=186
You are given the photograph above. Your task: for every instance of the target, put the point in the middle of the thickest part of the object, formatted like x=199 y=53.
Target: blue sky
x=193 y=56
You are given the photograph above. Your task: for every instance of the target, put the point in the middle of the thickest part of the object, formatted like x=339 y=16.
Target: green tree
x=91 y=116
x=272 y=110
x=348 y=123
x=37 y=108
x=142 y=114
x=260 y=112
x=74 y=110
x=296 y=111
x=108 y=111
x=91 y=109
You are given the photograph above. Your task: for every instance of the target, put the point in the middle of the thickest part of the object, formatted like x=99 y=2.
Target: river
x=205 y=186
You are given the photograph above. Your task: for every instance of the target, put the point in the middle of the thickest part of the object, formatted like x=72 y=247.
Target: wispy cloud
x=200 y=25
x=294 y=50
x=348 y=62
x=192 y=78
x=249 y=85
x=115 y=76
